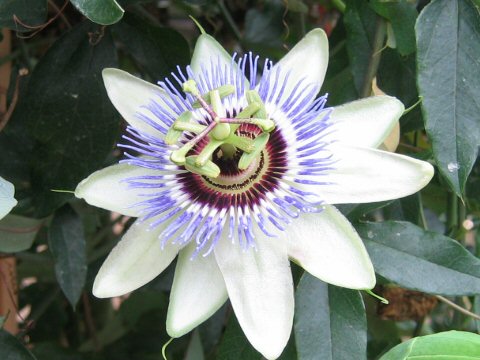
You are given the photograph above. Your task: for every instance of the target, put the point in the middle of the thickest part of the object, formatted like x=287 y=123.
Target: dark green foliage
x=67 y=244
x=421 y=260
x=449 y=82
x=104 y=12
x=71 y=126
x=16 y=13
x=12 y=349
x=330 y=321
x=155 y=49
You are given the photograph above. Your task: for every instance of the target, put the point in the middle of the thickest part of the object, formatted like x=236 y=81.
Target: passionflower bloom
x=236 y=174
x=7 y=201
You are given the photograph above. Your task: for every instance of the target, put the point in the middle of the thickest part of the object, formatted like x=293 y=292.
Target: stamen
x=258 y=145
x=265 y=124
x=207 y=152
x=173 y=134
x=220 y=130
x=209 y=169
x=223 y=91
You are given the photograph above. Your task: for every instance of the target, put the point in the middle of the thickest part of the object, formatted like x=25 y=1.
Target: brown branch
x=457 y=307
x=40 y=27
x=8 y=114
x=89 y=321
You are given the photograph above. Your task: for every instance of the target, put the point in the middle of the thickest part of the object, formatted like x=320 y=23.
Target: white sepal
x=7 y=201
x=131 y=96
x=137 y=259
x=366 y=122
x=260 y=287
x=328 y=247
x=364 y=175
x=306 y=62
x=198 y=291
x=108 y=189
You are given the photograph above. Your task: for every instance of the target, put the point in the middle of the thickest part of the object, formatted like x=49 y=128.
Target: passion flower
x=236 y=174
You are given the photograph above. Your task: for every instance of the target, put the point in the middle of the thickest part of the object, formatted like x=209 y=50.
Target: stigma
x=212 y=134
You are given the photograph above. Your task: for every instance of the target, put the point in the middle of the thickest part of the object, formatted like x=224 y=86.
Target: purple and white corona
x=236 y=174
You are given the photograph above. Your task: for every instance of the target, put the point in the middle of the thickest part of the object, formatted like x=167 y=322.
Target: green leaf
x=402 y=15
x=396 y=76
x=12 y=349
x=72 y=125
x=28 y=12
x=140 y=305
x=360 y=23
x=339 y=79
x=155 y=49
x=264 y=26
x=105 y=12
x=448 y=41
x=476 y=307
x=421 y=260
x=17 y=233
x=354 y=212
x=67 y=244
x=330 y=321
x=235 y=346
x=451 y=345
x=195 y=349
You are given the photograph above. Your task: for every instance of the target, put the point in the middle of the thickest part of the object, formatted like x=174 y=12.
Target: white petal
x=7 y=201
x=260 y=287
x=208 y=51
x=307 y=61
x=130 y=95
x=366 y=122
x=328 y=247
x=365 y=175
x=198 y=291
x=134 y=261
x=107 y=189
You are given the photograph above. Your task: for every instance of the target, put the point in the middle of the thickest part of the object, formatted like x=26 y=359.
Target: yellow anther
x=190 y=86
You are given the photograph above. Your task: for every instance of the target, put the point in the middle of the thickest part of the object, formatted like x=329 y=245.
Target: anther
x=174 y=133
x=190 y=87
x=258 y=143
x=209 y=169
x=178 y=156
x=217 y=106
x=254 y=97
x=207 y=152
x=223 y=91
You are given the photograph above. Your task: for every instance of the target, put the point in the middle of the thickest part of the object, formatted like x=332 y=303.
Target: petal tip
x=79 y=190
x=110 y=74
x=102 y=288
x=428 y=171
x=174 y=329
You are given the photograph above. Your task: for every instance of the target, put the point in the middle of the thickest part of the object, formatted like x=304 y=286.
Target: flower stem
x=452 y=213
x=457 y=307
x=229 y=19
x=378 y=41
